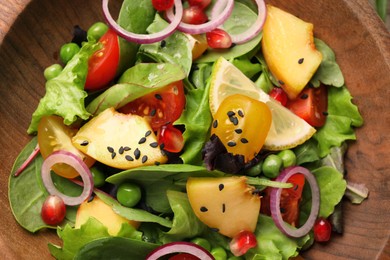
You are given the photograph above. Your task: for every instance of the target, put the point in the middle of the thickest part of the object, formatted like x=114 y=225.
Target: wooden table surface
x=368 y=230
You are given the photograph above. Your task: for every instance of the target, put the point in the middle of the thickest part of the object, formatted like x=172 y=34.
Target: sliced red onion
x=180 y=247
x=145 y=38
x=275 y=202
x=27 y=162
x=256 y=27
x=74 y=161
x=210 y=25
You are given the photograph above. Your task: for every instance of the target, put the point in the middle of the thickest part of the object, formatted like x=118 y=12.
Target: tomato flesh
x=53 y=135
x=289 y=200
x=279 y=95
x=311 y=105
x=161 y=107
x=103 y=64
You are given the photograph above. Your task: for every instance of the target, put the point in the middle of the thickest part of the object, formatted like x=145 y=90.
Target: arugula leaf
x=65 y=93
x=137 y=81
x=328 y=72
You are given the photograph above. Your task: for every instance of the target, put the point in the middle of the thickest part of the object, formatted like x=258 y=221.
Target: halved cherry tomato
x=311 y=105
x=289 y=200
x=171 y=138
x=53 y=135
x=103 y=64
x=160 y=107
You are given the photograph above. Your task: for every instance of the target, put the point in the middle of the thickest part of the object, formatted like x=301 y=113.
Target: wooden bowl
x=31 y=33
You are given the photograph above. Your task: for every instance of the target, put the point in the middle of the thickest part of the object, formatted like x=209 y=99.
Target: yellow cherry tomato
x=242 y=125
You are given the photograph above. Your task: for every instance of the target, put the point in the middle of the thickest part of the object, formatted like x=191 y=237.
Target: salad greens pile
x=164 y=185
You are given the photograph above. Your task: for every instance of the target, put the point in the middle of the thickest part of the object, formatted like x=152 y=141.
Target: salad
x=203 y=129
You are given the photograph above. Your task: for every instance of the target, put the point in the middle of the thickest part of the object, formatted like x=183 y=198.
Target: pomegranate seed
x=279 y=95
x=194 y=15
x=322 y=230
x=162 y=5
x=242 y=242
x=53 y=210
x=218 y=39
x=199 y=3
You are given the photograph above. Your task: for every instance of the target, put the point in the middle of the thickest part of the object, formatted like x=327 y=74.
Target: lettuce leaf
x=65 y=93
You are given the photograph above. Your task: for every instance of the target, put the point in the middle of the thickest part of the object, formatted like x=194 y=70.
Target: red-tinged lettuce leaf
x=65 y=93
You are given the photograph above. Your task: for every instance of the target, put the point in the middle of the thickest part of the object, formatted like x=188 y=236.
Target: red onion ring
x=180 y=247
x=74 y=161
x=210 y=25
x=144 y=38
x=275 y=202
x=256 y=27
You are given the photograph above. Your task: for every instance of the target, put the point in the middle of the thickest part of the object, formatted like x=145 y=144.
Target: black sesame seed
x=300 y=61
x=304 y=96
x=238 y=130
x=157 y=163
x=110 y=149
x=142 y=140
x=231 y=144
x=113 y=154
x=230 y=113
x=221 y=186
x=126 y=148
x=137 y=153
x=203 y=209
x=84 y=143
x=129 y=158
x=282 y=210
x=148 y=133
x=223 y=207
x=215 y=123
x=240 y=113
x=234 y=120
x=281 y=82
x=162 y=145
x=121 y=150
x=154 y=144
x=325 y=113
x=144 y=158
x=296 y=187
x=163 y=43
x=158 y=96
x=153 y=112
x=215 y=229
x=244 y=140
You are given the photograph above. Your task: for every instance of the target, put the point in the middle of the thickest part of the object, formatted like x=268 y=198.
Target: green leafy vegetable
x=65 y=93
x=356 y=192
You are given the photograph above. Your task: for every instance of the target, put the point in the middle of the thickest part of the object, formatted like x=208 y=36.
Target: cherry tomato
x=311 y=105
x=171 y=138
x=279 y=95
x=218 y=39
x=242 y=124
x=161 y=107
x=322 y=230
x=289 y=200
x=53 y=210
x=162 y=5
x=242 y=242
x=200 y=3
x=183 y=256
x=194 y=15
x=103 y=64
x=53 y=135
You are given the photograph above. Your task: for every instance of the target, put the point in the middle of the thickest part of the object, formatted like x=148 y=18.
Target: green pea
x=288 y=157
x=99 y=178
x=128 y=194
x=97 y=30
x=219 y=253
x=67 y=51
x=272 y=165
x=202 y=242
x=255 y=170
x=52 y=71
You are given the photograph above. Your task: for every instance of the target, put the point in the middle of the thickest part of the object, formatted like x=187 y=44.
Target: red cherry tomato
x=218 y=39
x=279 y=95
x=162 y=5
x=311 y=105
x=171 y=138
x=242 y=242
x=161 y=107
x=289 y=200
x=322 y=230
x=103 y=64
x=53 y=210
x=194 y=15
x=200 y=3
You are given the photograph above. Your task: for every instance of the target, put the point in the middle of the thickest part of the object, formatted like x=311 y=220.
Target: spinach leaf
x=137 y=81
x=328 y=72
x=65 y=93
x=239 y=21
x=115 y=248
x=307 y=152
x=173 y=49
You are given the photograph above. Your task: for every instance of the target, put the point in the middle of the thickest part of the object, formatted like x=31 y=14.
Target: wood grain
x=31 y=34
